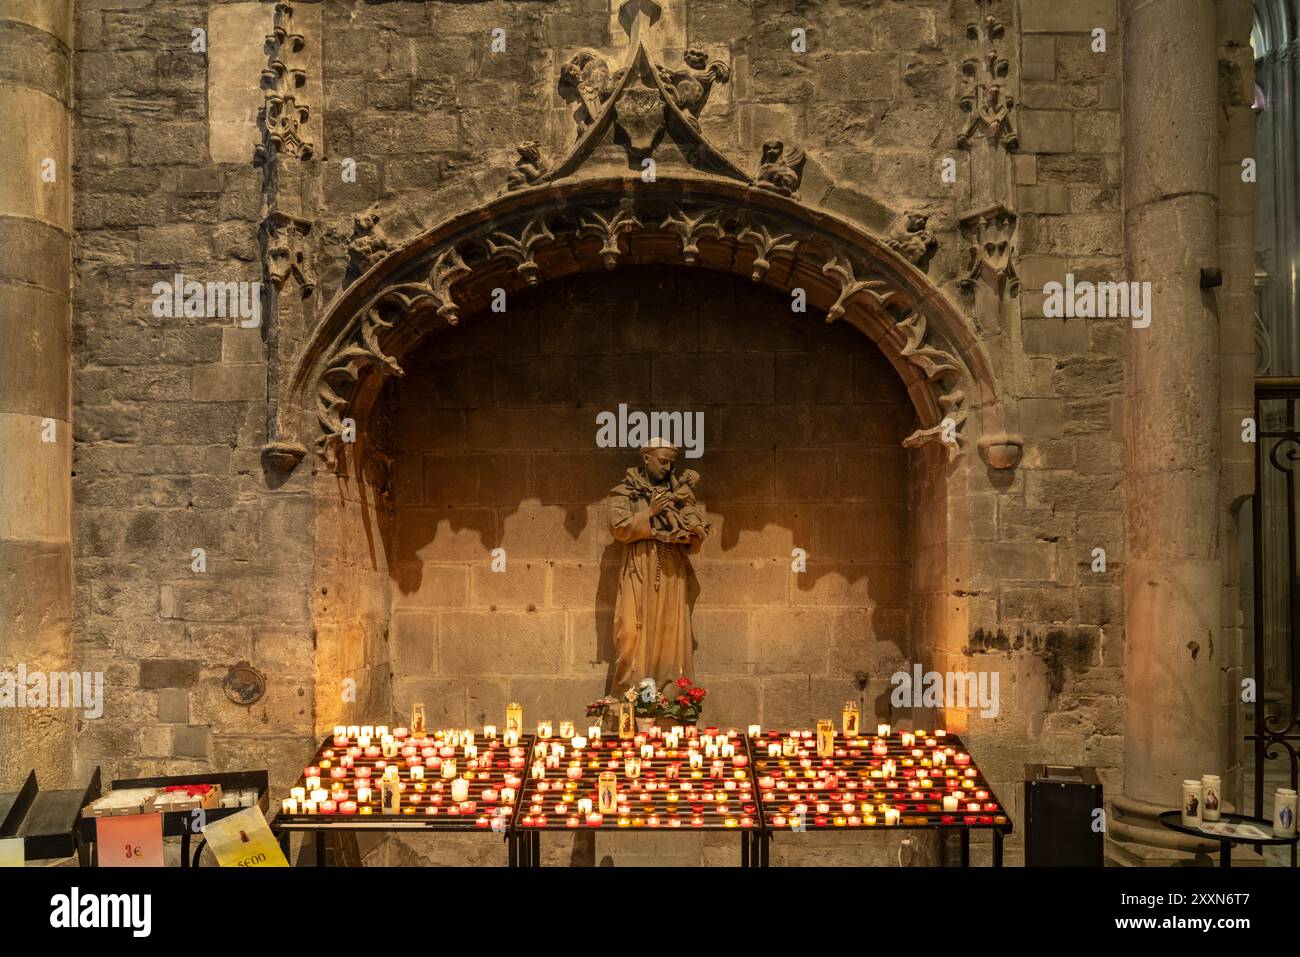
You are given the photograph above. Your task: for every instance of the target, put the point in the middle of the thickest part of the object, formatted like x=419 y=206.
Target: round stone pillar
x=35 y=382
x=1174 y=655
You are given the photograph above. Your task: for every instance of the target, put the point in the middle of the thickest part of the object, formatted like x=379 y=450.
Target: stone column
x=1174 y=649
x=35 y=376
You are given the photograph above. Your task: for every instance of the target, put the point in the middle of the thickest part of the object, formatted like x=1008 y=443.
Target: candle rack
x=701 y=781
x=426 y=803
x=873 y=782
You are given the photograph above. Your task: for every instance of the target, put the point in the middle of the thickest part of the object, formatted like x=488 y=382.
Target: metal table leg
x=745 y=841
x=765 y=843
x=320 y=848
x=185 y=846
x=965 y=847
x=998 y=838
x=1225 y=853
x=537 y=848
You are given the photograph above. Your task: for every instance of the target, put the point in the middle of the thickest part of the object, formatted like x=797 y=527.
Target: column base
x=1136 y=838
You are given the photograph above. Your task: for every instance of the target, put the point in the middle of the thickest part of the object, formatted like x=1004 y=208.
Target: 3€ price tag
x=244 y=840
x=134 y=840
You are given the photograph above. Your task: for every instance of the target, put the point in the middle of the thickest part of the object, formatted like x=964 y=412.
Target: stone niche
x=489 y=442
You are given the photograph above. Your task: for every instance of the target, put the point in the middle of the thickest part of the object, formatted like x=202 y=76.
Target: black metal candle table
x=426 y=805
x=695 y=784
x=1174 y=821
x=857 y=785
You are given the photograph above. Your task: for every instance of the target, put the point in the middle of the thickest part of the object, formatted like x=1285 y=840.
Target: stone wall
x=380 y=576
x=495 y=436
x=169 y=423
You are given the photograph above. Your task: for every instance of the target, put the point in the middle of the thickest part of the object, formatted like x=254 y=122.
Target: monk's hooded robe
x=652 y=622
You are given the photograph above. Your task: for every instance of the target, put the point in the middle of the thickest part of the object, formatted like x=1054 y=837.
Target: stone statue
x=529 y=167
x=912 y=237
x=779 y=171
x=654 y=513
x=690 y=87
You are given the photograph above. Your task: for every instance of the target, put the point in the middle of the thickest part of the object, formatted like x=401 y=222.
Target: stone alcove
x=356 y=394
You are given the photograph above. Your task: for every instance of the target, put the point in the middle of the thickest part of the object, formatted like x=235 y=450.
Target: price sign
x=133 y=840
x=244 y=840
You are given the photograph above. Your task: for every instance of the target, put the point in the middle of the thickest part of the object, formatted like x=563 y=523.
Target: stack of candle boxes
x=126 y=801
x=177 y=797
x=188 y=797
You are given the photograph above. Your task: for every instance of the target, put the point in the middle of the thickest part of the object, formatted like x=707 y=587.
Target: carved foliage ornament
x=283 y=117
x=363 y=349
x=988 y=108
x=284 y=239
x=991 y=235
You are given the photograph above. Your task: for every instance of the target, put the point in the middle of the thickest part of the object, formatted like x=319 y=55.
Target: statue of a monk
x=653 y=512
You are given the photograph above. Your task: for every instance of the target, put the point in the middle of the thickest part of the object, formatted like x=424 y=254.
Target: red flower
x=683 y=682
x=697 y=694
x=682 y=699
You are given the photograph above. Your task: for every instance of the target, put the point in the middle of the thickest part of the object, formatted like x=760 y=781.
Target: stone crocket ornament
x=653 y=512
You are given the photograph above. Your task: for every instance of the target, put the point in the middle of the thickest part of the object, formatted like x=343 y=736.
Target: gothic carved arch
x=551 y=230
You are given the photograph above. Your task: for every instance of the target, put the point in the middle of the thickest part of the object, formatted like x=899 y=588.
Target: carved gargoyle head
x=530 y=152
x=695 y=58
x=772 y=151
x=917 y=221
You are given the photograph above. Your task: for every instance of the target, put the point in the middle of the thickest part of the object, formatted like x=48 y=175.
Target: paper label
x=11 y=852
x=244 y=840
x=131 y=840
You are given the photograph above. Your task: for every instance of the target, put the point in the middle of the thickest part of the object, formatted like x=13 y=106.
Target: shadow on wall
x=494 y=437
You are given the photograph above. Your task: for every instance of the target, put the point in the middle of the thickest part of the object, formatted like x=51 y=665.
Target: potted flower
x=682 y=702
x=602 y=708
x=646 y=702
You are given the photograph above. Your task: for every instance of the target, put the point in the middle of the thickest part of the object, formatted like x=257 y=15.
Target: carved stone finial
x=529 y=167
x=779 y=171
x=989 y=110
x=283 y=117
x=911 y=237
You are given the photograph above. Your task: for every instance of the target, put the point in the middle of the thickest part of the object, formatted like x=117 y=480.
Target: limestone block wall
x=1043 y=611
x=380 y=577
x=495 y=441
x=171 y=415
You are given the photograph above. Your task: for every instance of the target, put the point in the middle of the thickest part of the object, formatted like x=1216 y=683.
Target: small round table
x=1174 y=821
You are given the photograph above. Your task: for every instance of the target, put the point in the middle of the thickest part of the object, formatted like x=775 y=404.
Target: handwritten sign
x=132 y=840
x=244 y=840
